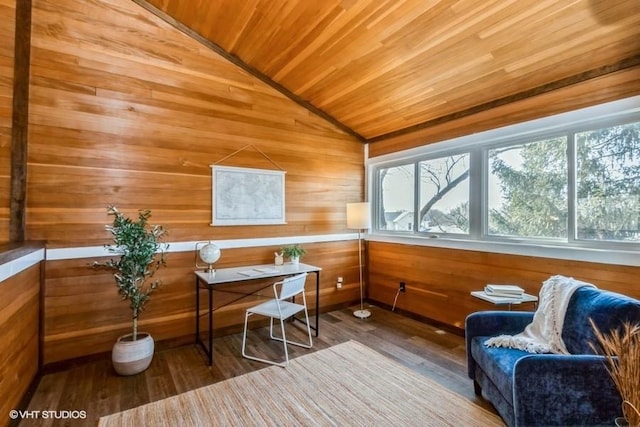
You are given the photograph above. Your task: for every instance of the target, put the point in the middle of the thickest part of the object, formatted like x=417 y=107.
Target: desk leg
x=208 y=350
x=317 y=303
x=197 y=310
x=210 y=325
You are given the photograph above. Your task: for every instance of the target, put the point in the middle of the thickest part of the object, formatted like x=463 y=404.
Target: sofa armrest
x=552 y=389
x=493 y=323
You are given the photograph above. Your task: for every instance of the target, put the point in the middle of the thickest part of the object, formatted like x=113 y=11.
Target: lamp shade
x=358 y=215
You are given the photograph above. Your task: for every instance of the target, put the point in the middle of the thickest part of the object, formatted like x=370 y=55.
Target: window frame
x=478 y=146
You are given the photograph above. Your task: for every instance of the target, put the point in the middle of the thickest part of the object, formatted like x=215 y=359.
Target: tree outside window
x=528 y=189
x=608 y=183
x=444 y=195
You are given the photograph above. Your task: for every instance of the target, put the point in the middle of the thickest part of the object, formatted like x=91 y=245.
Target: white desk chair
x=281 y=309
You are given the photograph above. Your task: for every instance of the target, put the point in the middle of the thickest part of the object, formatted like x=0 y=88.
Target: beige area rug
x=345 y=385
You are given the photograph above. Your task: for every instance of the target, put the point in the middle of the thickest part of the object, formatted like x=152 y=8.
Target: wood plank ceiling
x=384 y=67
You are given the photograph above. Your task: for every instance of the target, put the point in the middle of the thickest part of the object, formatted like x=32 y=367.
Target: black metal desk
x=205 y=280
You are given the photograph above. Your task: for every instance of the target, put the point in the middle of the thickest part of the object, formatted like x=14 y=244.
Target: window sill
x=604 y=256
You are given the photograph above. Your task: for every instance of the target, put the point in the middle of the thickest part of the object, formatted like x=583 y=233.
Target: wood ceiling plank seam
x=262 y=33
x=244 y=15
x=338 y=24
x=200 y=11
x=354 y=18
x=246 y=67
x=518 y=21
x=308 y=33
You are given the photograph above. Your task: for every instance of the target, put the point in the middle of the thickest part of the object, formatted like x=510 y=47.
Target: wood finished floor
x=94 y=387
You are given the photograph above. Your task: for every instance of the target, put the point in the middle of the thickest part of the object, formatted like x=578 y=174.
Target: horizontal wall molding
x=602 y=256
x=57 y=254
x=20 y=264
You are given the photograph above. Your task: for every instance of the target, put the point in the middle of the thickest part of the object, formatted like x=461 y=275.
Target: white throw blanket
x=544 y=333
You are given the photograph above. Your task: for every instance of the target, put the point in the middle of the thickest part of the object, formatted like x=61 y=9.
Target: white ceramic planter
x=132 y=357
x=295 y=260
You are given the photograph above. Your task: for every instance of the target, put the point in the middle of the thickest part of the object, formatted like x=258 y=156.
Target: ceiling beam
x=246 y=67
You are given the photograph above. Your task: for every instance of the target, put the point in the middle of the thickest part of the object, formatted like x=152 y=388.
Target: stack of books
x=504 y=291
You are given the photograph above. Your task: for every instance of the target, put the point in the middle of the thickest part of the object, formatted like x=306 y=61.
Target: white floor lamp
x=358 y=218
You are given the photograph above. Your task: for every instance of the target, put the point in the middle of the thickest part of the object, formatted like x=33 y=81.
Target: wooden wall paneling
x=610 y=87
x=84 y=314
x=19 y=322
x=7 y=31
x=439 y=280
x=136 y=118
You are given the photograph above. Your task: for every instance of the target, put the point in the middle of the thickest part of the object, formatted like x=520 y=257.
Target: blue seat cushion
x=498 y=364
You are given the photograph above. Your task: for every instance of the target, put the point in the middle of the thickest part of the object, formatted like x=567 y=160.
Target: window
x=444 y=195
x=608 y=184
x=527 y=191
x=568 y=184
x=395 y=210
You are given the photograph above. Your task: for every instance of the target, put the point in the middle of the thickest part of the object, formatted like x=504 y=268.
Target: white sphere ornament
x=208 y=253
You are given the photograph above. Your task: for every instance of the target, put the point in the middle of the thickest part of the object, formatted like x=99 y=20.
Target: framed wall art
x=246 y=196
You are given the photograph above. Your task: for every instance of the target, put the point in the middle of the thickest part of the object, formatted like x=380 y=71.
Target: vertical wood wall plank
x=19 y=319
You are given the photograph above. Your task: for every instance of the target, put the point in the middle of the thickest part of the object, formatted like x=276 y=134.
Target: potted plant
x=141 y=255
x=622 y=351
x=293 y=252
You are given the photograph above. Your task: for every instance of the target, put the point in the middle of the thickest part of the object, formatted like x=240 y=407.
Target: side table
x=506 y=300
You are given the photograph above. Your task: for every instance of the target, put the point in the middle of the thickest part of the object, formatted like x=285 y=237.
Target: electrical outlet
x=403 y=287
x=339 y=283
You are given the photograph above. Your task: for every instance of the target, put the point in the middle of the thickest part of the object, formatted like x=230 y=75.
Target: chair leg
x=273 y=337
x=258 y=359
x=284 y=343
x=244 y=334
x=298 y=344
x=306 y=315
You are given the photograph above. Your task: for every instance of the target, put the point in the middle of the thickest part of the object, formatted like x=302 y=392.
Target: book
x=504 y=300
x=267 y=270
x=510 y=291
x=258 y=271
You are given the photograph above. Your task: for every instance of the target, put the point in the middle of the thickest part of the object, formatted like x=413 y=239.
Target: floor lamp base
x=362 y=314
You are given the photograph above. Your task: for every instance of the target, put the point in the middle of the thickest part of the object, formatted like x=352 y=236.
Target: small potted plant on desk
x=141 y=255
x=293 y=252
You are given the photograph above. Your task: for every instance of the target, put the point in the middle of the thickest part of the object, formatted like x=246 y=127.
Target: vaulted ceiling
x=383 y=67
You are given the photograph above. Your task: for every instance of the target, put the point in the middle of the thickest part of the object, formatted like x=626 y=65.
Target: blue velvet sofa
x=550 y=389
